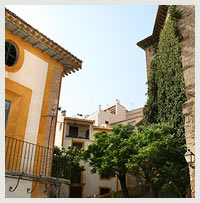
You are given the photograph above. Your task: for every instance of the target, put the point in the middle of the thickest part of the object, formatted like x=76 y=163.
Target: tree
x=109 y=153
x=159 y=158
x=66 y=163
x=166 y=86
x=166 y=96
x=150 y=109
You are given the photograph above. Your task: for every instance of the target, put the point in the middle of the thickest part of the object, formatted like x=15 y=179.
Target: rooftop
x=160 y=20
x=19 y=27
x=79 y=119
x=127 y=119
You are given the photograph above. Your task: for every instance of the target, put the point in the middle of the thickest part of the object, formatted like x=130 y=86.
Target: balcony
x=29 y=161
x=80 y=131
x=79 y=136
x=62 y=169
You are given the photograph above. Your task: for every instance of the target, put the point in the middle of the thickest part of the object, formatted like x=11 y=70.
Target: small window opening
x=11 y=54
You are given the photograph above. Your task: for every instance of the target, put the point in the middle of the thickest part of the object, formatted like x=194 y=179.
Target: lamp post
x=189 y=157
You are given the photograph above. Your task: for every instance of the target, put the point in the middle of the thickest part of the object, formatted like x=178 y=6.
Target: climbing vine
x=166 y=86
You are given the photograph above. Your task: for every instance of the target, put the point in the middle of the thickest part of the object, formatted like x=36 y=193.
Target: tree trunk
x=122 y=179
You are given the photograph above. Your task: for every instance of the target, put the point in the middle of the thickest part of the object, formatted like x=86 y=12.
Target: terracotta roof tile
x=41 y=37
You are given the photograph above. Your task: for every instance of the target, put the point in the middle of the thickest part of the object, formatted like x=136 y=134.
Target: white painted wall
x=120 y=111
x=59 y=131
x=21 y=191
x=94 y=116
x=135 y=113
x=122 y=115
x=32 y=75
x=107 y=116
x=100 y=116
x=92 y=181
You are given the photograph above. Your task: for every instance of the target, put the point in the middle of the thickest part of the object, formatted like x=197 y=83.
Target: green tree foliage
x=110 y=152
x=159 y=159
x=150 y=109
x=66 y=163
x=166 y=86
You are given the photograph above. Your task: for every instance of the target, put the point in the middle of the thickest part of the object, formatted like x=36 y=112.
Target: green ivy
x=166 y=86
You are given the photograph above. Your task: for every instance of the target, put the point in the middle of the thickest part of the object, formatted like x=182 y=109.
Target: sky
x=104 y=37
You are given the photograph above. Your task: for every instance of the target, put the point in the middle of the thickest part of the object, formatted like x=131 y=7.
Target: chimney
x=117 y=101
x=99 y=107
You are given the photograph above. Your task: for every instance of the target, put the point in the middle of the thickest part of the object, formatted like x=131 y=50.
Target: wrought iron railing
x=84 y=136
x=61 y=168
x=27 y=158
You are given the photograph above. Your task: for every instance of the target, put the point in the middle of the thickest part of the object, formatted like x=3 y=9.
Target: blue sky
x=104 y=37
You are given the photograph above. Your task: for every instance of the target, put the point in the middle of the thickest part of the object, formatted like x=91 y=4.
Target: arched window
x=11 y=53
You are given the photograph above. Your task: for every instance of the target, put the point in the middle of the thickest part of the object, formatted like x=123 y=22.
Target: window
x=73 y=131
x=87 y=134
x=7 y=109
x=106 y=122
x=104 y=191
x=75 y=192
x=11 y=53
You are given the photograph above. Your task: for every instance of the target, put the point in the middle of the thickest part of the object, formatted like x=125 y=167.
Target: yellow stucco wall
x=21 y=96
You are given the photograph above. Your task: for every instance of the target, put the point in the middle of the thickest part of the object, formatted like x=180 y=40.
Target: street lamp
x=189 y=157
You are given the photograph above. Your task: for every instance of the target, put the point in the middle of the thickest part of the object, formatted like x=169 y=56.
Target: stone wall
x=187 y=29
x=150 y=53
x=189 y=113
x=186 y=26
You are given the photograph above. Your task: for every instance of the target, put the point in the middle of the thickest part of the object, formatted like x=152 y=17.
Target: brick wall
x=50 y=126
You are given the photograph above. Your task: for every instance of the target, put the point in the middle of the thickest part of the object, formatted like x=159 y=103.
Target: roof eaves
x=20 y=23
x=126 y=119
x=102 y=128
x=79 y=119
x=159 y=22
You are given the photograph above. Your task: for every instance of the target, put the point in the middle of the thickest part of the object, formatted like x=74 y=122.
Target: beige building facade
x=116 y=113
x=84 y=129
x=79 y=132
